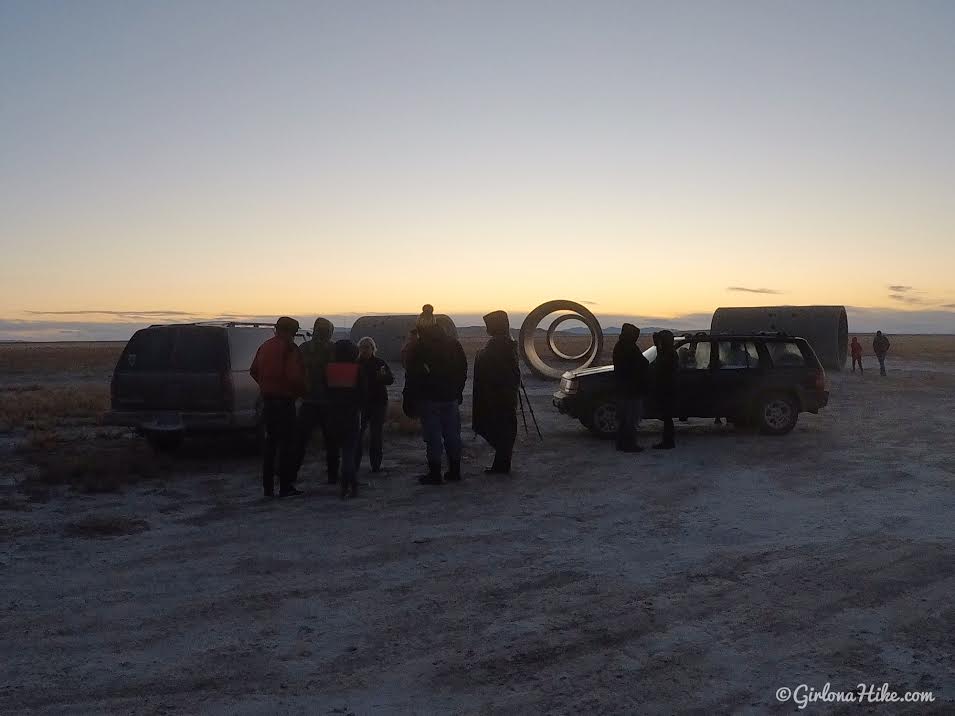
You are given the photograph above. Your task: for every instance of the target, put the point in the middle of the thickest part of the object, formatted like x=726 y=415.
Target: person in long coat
x=665 y=369
x=631 y=374
x=497 y=379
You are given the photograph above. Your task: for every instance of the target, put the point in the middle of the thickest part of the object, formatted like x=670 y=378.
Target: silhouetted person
x=438 y=369
x=856 y=349
x=317 y=353
x=497 y=378
x=346 y=395
x=880 y=346
x=280 y=374
x=377 y=377
x=665 y=385
x=631 y=374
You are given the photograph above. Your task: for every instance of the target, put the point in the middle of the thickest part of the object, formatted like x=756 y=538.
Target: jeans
x=666 y=414
x=855 y=362
x=311 y=416
x=441 y=427
x=628 y=417
x=347 y=439
x=278 y=415
x=372 y=422
x=881 y=363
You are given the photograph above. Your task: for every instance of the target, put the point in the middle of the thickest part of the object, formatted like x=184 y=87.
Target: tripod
x=529 y=407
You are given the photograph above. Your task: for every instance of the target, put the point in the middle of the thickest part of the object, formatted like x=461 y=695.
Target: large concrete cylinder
x=391 y=332
x=825 y=327
x=569 y=311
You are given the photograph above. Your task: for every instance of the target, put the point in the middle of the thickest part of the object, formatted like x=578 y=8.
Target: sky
x=231 y=158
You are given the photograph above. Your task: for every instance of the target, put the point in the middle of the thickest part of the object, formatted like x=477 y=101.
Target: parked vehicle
x=764 y=380
x=173 y=380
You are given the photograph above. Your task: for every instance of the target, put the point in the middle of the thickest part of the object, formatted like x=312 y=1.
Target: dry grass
x=36 y=407
x=90 y=466
x=91 y=357
x=397 y=422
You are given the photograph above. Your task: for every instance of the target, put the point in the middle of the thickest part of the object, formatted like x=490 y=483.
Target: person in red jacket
x=856 y=349
x=279 y=370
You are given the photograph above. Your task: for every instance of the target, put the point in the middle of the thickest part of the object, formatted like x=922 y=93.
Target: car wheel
x=776 y=414
x=603 y=419
x=162 y=441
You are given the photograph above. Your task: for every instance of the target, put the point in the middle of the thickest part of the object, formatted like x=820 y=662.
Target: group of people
x=880 y=346
x=341 y=389
x=632 y=373
x=343 y=392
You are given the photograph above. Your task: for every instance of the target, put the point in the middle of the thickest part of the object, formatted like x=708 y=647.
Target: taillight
x=820 y=381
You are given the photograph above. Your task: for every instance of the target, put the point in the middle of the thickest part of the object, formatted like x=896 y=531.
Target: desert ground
x=694 y=581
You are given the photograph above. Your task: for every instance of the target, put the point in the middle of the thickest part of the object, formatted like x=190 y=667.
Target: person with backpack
x=497 y=378
x=316 y=354
x=438 y=369
x=378 y=377
x=880 y=346
x=345 y=394
x=856 y=349
x=279 y=371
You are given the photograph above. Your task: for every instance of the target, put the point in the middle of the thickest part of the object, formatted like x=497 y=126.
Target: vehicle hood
x=650 y=354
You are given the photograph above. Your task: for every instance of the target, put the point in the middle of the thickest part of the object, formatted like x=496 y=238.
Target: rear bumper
x=174 y=421
x=815 y=400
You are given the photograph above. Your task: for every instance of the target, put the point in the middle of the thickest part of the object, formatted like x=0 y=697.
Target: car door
x=736 y=370
x=694 y=395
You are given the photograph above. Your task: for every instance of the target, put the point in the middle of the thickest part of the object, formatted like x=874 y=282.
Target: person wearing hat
x=631 y=374
x=438 y=369
x=280 y=374
x=497 y=378
x=317 y=354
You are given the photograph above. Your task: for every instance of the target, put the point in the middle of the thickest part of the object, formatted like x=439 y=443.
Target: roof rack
x=234 y=324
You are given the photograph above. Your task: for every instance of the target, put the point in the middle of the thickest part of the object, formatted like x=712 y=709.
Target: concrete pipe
x=825 y=327
x=391 y=332
x=526 y=340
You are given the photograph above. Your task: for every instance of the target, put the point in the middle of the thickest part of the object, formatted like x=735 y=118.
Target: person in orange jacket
x=279 y=371
x=856 y=349
x=347 y=391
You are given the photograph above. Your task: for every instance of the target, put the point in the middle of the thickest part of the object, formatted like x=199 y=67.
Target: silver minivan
x=172 y=380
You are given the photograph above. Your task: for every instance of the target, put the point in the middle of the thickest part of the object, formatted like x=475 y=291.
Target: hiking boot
x=434 y=475
x=290 y=492
x=454 y=471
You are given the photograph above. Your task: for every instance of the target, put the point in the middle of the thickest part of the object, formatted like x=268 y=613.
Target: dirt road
x=701 y=579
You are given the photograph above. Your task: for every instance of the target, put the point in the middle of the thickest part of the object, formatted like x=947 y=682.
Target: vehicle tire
x=163 y=441
x=603 y=418
x=776 y=413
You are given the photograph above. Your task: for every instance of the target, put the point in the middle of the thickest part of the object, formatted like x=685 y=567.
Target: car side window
x=786 y=354
x=738 y=355
x=694 y=356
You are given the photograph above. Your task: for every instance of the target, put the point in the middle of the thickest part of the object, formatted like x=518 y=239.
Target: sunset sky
x=651 y=159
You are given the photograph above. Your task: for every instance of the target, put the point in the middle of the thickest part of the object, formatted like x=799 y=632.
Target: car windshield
x=651 y=353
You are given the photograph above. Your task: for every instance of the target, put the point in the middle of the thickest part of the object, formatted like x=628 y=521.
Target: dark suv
x=754 y=379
